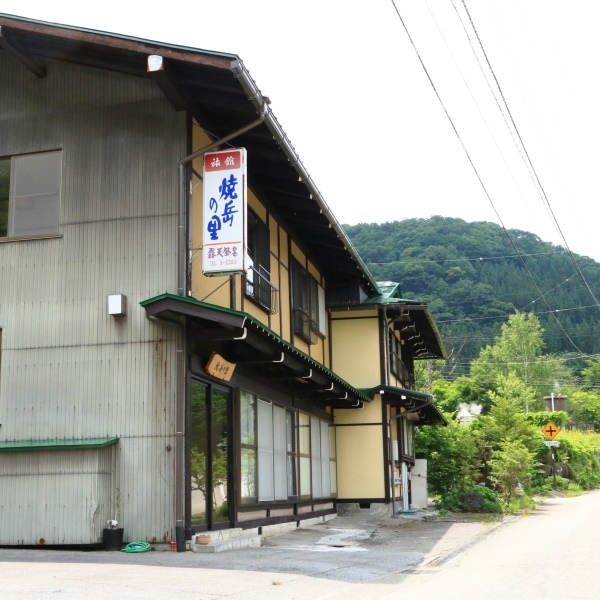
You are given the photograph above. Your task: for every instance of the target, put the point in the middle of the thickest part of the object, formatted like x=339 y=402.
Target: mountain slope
x=473 y=277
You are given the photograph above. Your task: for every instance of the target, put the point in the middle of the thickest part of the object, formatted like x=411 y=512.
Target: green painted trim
x=35 y=445
x=390 y=389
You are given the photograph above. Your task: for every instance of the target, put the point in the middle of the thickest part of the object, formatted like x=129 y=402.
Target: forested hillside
x=473 y=277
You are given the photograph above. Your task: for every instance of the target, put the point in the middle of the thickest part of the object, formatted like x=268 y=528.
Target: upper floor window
x=258 y=277
x=397 y=363
x=30 y=194
x=309 y=304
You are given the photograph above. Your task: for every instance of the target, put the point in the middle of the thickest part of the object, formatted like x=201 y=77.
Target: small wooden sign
x=218 y=367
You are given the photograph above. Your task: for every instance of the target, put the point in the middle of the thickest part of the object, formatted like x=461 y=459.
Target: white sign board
x=224 y=212
x=552 y=443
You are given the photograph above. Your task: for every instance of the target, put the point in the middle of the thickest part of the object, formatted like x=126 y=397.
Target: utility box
x=418 y=484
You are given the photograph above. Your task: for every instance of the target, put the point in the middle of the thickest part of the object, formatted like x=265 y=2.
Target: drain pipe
x=183 y=290
x=391 y=431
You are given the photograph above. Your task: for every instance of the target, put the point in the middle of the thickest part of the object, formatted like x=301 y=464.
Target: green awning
x=170 y=308
x=35 y=445
x=415 y=401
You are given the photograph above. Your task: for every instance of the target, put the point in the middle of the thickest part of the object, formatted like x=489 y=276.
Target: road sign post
x=551 y=431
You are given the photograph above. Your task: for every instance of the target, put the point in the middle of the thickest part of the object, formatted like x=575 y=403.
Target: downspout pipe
x=183 y=289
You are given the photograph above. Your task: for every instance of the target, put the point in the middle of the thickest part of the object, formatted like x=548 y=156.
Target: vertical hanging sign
x=224 y=212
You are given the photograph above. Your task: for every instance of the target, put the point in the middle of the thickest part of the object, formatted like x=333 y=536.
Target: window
x=272 y=452
x=408 y=438
x=309 y=304
x=30 y=194
x=320 y=458
x=304 y=453
x=284 y=454
x=258 y=277
x=292 y=452
x=248 y=446
x=397 y=366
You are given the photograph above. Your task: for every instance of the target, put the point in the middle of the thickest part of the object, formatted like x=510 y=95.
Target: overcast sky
x=349 y=90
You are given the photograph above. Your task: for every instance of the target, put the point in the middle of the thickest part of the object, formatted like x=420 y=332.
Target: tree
x=591 y=374
x=511 y=464
x=449 y=395
x=518 y=351
x=452 y=455
x=584 y=408
x=506 y=421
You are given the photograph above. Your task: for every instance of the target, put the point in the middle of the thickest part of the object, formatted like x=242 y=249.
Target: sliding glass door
x=208 y=456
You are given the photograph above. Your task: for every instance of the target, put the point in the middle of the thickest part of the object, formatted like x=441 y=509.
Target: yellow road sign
x=551 y=431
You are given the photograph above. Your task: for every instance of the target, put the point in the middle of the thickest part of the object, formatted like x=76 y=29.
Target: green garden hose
x=137 y=547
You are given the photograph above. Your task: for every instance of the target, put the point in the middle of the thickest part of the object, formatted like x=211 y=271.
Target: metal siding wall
x=69 y=370
x=54 y=497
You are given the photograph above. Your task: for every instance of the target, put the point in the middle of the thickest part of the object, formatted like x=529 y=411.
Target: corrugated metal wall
x=69 y=370
x=56 y=497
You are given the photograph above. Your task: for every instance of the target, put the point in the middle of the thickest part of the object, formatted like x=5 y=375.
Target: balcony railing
x=261 y=290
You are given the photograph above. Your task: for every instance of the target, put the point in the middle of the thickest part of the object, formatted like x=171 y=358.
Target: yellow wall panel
x=355 y=351
x=298 y=254
x=317 y=351
x=360 y=462
x=256 y=206
x=283 y=248
x=371 y=413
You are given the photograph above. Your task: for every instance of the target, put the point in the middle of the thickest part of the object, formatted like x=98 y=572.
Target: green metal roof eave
x=397 y=390
x=384 y=301
x=37 y=445
x=428 y=399
x=267 y=331
x=119 y=36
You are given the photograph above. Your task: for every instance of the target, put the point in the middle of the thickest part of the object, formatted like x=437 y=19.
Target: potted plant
x=112 y=534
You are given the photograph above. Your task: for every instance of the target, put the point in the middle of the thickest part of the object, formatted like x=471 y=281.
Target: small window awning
x=418 y=403
x=36 y=445
x=244 y=340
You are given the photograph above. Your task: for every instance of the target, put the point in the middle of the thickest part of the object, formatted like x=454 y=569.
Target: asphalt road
x=550 y=554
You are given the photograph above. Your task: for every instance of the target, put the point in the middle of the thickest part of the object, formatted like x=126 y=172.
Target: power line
x=529 y=162
x=475 y=168
x=411 y=261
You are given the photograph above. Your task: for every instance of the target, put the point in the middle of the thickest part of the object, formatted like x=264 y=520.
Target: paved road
x=359 y=556
x=551 y=554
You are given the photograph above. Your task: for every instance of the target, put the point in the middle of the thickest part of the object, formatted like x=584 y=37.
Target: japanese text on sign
x=224 y=212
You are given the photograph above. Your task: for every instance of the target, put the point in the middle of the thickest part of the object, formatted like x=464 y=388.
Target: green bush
x=477 y=499
x=452 y=456
x=520 y=503
x=580 y=451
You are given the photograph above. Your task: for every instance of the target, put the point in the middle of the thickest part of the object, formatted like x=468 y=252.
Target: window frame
x=308 y=305
x=291 y=437
x=248 y=446
x=257 y=281
x=14 y=195
x=407 y=432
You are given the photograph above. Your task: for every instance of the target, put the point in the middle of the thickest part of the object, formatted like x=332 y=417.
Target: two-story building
x=152 y=371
